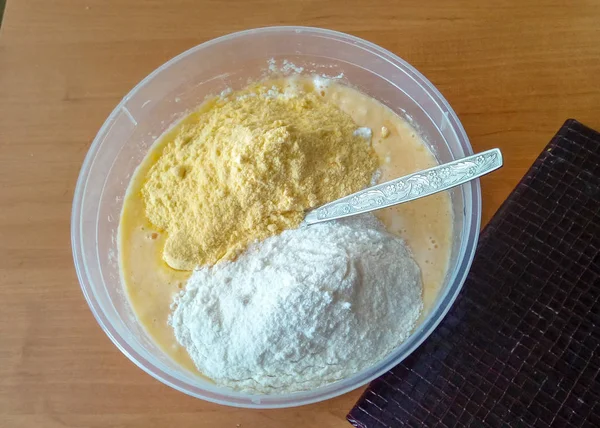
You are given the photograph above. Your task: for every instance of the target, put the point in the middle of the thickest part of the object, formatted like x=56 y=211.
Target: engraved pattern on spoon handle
x=409 y=187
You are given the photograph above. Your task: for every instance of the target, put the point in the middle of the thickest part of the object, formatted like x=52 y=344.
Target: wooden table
x=512 y=70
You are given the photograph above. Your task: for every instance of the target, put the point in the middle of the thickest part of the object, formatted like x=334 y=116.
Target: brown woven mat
x=521 y=345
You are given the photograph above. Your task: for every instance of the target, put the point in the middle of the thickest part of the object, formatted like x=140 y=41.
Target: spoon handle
x=408 y=188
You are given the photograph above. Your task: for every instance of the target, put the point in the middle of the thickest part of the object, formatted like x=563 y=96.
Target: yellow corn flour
x=248 y=166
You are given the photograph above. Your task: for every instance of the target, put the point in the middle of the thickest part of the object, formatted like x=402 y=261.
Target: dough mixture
x=232 y=180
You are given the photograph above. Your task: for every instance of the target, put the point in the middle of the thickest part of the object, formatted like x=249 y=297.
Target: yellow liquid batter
x=425 y=224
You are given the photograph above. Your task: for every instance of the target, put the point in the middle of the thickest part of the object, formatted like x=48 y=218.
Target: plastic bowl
x=181 y=85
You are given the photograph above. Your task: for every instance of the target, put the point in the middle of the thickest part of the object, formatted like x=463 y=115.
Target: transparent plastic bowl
x=181 y=85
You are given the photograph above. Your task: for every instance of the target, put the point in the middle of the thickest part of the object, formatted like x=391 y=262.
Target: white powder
x=364 y=132
x=301 y=309
x=290 y=67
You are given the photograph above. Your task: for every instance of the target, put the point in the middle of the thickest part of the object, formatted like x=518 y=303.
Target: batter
x=425 y=224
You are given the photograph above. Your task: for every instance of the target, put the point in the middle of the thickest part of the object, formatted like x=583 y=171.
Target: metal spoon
x=408 y=188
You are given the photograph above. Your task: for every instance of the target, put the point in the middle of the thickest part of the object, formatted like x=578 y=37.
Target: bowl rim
x=472 y=200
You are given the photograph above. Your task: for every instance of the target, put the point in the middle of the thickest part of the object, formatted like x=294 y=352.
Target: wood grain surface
x=512 y=70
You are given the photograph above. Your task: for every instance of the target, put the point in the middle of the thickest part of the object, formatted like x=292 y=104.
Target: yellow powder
x=248 y=167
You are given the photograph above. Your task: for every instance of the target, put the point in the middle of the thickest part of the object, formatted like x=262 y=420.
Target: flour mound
x=301 y=309
x=251 y=165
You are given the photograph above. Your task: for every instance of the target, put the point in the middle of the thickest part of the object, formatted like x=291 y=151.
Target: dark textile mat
x=521 y=345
